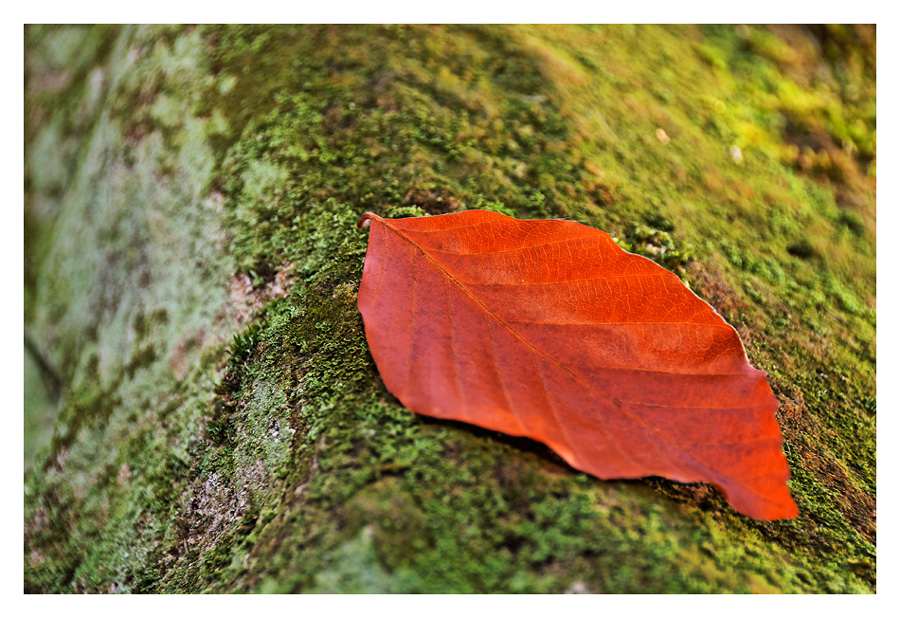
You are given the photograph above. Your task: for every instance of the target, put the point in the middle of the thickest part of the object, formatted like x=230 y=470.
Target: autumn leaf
x=548 y=329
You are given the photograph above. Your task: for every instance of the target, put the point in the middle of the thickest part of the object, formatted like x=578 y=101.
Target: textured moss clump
x=191 y=273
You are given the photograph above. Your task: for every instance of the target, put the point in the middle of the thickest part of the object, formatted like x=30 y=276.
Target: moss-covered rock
x=191 y=324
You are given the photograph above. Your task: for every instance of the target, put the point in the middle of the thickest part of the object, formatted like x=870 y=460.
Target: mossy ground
x=191 y=275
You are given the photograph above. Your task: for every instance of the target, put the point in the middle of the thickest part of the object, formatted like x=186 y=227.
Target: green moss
x=193 y=265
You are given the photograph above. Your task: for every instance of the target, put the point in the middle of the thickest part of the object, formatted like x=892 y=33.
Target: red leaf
x=547 y=329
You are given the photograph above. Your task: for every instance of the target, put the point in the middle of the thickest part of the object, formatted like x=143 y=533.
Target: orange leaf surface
x=548 y=329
